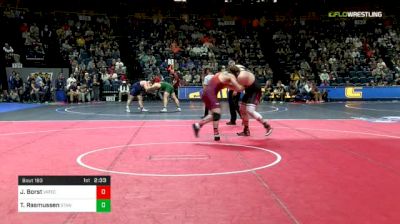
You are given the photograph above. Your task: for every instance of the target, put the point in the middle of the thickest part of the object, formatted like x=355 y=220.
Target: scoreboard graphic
x=64 y=194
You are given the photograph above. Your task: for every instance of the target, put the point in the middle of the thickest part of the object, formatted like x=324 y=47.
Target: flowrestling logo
x=355 y=14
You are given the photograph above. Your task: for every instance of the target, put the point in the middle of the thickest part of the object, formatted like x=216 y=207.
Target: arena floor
x=324 y=163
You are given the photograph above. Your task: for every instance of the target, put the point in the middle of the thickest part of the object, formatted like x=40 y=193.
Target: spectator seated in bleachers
x=73 y=92
x=37 y=90
x=190 y=52
x=84 y=93
x=268 y=91
x=279 y=92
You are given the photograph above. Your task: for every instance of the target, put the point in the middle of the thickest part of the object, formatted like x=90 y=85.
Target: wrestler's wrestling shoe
x=245 y=132
x=268 y=128
x=216 y=135
x=196 y=129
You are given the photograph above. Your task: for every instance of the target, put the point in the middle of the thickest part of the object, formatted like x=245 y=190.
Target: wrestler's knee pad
x=216 y=117
x=250 y=108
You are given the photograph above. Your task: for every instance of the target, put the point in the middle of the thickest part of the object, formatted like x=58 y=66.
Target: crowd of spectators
x=337 y=53
x=36 y=88
x=188 y=47
x=86 y=44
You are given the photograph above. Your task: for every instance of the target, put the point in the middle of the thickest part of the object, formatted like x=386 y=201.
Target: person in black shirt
x=60 y=83
x=233 y=100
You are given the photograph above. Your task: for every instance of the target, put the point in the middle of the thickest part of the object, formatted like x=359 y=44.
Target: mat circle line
x=276 y=161
x=155 y=113
x=372 y=109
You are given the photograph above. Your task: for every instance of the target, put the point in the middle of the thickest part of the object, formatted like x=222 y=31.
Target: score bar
x=64 y=194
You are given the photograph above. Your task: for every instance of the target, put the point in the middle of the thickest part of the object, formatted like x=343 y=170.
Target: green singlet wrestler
x=168 y=90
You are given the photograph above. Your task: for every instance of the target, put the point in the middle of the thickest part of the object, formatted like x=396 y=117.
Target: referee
x=233 y=100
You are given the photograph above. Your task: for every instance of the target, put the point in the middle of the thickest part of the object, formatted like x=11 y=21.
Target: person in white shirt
x=8 y=49
x=124 y=89
x=70 y=80
x=381 y=64
x=355 y=53
x=9 y=53
x=307 y=90
x=324 y=76
x=119 y=65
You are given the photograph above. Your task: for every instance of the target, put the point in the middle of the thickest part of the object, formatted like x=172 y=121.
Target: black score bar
x=64 y=180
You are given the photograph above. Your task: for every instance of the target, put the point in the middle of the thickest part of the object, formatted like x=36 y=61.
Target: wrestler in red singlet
x=210 y=93
x=210 y=99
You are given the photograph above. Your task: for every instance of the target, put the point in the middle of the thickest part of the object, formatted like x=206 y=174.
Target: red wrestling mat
x=307 y=171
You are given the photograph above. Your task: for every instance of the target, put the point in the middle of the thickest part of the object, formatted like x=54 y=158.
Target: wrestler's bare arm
x=153 y=87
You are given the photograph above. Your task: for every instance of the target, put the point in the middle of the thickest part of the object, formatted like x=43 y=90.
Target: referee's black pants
x=233 y=105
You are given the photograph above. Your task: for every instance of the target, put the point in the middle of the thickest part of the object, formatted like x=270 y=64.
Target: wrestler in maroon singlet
x=210 y=99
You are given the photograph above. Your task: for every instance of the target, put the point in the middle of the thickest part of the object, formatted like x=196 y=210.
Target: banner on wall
x=363 y=93
x=334 y=93
x=194 y=93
